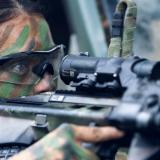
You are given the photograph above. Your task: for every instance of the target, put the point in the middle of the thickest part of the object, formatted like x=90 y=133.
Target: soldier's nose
x=45 y=84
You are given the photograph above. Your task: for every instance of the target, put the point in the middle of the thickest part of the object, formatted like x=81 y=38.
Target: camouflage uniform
x=64 y=143
x=146 y=29
x=58 y=145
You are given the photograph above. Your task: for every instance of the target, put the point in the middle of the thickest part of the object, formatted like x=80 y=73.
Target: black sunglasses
x=10 y=57
x=39 y=62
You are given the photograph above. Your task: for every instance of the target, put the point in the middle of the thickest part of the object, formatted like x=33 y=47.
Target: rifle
x=107 y=91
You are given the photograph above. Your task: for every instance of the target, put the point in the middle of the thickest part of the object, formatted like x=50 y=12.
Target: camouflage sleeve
x=63 y=143
x=58 y=145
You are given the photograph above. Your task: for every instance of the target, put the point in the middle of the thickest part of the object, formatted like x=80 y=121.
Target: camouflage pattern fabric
x=31 y=33
x=58 y=145
x=64 y=143
x=122 y=46
x=21 y=32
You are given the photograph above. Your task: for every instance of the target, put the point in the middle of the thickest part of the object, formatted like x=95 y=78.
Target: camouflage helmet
x=20 y=31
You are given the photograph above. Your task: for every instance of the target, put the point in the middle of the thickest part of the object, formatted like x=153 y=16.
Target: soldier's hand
x=96 y=134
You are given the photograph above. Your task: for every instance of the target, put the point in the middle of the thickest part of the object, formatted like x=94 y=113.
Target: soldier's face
x=25 y=33
x=29 y=73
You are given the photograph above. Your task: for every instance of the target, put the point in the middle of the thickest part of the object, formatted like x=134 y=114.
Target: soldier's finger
x=96 y=134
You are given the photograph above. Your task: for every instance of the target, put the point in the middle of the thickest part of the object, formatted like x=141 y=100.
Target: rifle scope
x=101 y=70
x=77 y=68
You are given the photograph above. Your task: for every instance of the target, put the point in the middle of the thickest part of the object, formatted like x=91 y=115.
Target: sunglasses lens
x=43 y=68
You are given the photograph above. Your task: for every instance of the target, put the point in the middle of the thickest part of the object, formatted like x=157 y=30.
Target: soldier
x=23 y=31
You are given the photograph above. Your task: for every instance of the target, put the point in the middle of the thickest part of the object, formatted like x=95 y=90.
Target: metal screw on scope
x=114 y=75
